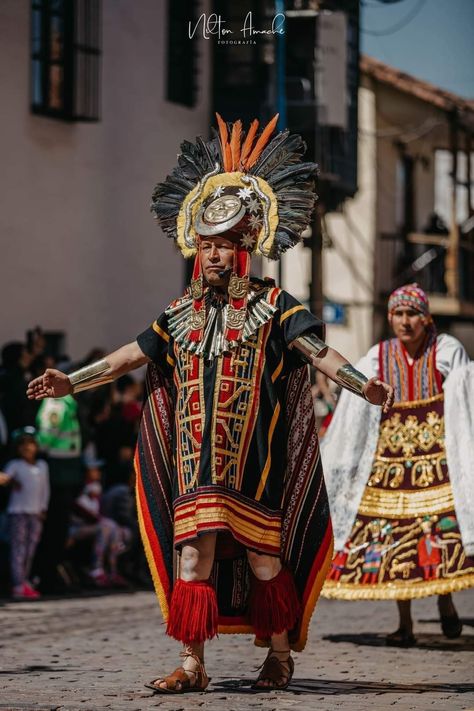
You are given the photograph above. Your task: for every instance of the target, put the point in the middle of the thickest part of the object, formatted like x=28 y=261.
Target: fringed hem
x=273 y=604
x=388 y=591
x=193 y=612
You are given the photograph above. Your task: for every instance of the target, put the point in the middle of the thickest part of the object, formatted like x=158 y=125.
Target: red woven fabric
x=274 y=604
x=193 y=612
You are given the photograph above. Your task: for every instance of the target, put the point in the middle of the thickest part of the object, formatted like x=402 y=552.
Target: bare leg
x=403 y=636
x=266 y=567
x=404 y=611
x=446 y=605
x=196 y=561
x=450 y=622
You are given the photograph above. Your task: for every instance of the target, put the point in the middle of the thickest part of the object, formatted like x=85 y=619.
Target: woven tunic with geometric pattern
x=229 y=445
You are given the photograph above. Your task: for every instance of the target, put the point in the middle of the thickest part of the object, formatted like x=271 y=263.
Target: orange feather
x=235 y=143
x=247 y=147
x=228 y=159
x=225 y=148
x=262 y=141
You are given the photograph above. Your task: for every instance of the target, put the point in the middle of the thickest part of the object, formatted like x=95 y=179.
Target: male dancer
x=228 y=468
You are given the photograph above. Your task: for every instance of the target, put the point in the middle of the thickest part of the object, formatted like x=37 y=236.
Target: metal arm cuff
x=91 y=376
x=309 y=346
x=351 y=379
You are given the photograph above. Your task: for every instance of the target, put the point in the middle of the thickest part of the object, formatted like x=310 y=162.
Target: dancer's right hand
x=52 y=383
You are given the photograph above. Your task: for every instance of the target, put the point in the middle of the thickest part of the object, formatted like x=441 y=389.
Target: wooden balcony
x=445 y=269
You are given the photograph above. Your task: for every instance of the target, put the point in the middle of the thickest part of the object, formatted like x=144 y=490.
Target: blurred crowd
x=68 y=519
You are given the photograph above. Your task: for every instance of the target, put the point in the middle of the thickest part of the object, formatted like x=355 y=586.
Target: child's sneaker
x=32 y=592
x=99 y=578
x=24 y=592
x=117 y=581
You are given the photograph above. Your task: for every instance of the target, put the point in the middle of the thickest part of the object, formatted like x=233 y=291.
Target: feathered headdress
x=251 y=184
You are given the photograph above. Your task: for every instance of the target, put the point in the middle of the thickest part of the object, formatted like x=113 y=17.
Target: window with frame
x=65 y=59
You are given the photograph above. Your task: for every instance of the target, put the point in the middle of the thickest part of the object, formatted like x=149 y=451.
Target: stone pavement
x=94 y=654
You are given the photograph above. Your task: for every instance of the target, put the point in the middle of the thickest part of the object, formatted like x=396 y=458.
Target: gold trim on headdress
x=191 y=206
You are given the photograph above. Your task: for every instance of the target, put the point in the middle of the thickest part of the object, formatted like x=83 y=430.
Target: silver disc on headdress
x=219 y=215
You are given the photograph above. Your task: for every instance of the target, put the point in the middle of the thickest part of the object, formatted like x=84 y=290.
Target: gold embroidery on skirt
x=411 y=435
x=406 y=503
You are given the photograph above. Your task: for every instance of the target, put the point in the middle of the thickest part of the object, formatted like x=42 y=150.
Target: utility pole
x=280 y=93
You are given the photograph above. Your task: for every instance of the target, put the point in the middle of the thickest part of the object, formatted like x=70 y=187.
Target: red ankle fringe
x=193 y=612
x=274 y=604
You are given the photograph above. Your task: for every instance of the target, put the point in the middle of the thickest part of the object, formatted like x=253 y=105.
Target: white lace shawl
x=459 y=424
x=349 y=446
x=348 y=450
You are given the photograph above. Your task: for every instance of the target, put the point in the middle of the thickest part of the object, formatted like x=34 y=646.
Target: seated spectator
x=29 y=480
x=108 y=538
x=118 y=503
x=114 y=437
x=130 y=404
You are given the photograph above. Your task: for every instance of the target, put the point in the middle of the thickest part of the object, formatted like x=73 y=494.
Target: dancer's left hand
x=379 y=393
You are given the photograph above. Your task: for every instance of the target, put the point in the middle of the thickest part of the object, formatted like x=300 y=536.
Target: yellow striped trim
x=417 y=403
x=290 y=312
x=160 y=332
x=238 y=629
x=216 y=516
x=300 y=644
x=266 y=468
x=277 y=370
x=170 y=360
x=160 y=593
x=191 y=507
x=410 y=590
x=406 y=503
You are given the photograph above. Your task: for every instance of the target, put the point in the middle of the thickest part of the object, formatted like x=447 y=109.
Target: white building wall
x=348 y=265
x=80 y=250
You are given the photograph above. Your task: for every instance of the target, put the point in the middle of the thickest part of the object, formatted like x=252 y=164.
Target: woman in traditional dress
x=401 y=484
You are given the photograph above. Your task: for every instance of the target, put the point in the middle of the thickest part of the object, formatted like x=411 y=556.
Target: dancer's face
x=408 y=324
x=217 y=255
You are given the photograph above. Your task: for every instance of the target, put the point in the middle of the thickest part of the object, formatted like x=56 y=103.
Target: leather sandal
x=179 y=681
x=400 y=638
x=273 y=670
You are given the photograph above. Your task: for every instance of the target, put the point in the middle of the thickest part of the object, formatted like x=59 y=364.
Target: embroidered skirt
x=405 y=542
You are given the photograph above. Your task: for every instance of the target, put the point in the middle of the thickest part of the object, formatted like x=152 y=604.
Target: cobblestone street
x=96 y=653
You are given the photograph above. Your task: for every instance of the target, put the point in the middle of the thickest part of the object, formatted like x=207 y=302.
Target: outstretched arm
x=54 y=383
x=338 y=368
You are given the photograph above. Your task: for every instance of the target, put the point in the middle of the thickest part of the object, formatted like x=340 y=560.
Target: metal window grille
x=65 y=59
x=181 y=84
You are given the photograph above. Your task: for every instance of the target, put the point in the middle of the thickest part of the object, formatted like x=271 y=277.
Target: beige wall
x=348 y=266
x=360 y=263
x=80 y=250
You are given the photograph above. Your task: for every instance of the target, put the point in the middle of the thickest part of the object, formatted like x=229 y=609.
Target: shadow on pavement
x=467 y=621
x=423 y=641
x=341 y=687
